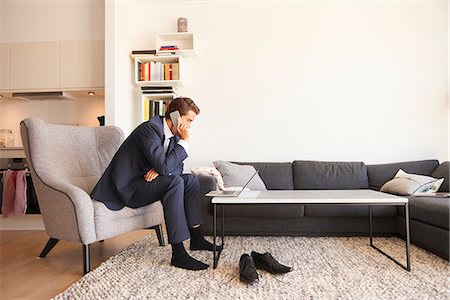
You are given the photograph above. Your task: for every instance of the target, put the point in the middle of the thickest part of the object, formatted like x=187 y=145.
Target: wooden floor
x=23 y=276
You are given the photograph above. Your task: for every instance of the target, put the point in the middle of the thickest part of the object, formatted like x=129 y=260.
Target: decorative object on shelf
x=182 y=25
x=101 y=120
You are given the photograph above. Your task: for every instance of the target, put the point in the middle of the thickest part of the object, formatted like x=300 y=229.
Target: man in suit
x=149 y=167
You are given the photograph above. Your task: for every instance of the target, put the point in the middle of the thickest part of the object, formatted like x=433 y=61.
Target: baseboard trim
x=25 y=222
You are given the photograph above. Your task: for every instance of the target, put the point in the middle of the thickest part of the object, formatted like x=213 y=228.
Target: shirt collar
x=167 y=133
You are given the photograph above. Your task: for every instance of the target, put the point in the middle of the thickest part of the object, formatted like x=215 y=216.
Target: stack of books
x=157 y=71
x=158 y=90
x=168 y=48
x=158 y=100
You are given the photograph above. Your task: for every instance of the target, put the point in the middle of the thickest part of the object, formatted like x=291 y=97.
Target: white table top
x=313 y=197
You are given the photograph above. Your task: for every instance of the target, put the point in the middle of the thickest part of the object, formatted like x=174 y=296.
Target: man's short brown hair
x=183 y=105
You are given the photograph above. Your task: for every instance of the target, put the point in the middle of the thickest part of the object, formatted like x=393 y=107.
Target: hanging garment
x=14 y=193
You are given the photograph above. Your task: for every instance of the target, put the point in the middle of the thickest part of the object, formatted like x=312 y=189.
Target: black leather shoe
x=247 y=269
x=267 y=262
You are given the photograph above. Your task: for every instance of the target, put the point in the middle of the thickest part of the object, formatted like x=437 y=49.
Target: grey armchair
x=65 y=163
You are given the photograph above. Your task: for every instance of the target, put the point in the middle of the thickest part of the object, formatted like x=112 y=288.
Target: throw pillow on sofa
x=235 y=175
x=406 y=184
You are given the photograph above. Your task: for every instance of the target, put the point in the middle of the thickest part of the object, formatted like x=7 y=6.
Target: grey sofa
x=429 y=216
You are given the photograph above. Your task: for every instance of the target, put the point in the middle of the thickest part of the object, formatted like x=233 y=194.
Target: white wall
x=47 y=20
x=279 y=81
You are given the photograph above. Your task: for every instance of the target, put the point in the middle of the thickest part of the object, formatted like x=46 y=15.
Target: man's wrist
x=184 y=144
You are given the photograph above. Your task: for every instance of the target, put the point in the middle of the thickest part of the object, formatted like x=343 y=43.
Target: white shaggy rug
x=324 y=268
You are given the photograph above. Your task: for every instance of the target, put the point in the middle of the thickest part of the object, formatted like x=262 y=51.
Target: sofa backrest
x=275 y=175
x=443 y=171
x=381 y=173
x=315 y=175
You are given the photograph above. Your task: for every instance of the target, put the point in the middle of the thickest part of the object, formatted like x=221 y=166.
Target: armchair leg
x=86 y=259
x=159 y=234
x=49 y=246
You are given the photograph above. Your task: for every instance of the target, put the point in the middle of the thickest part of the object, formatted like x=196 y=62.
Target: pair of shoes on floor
x=248 y=265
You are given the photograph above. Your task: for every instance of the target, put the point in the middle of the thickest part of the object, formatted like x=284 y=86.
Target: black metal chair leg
x=86 y=260
x=49 y=246
x=159 y=234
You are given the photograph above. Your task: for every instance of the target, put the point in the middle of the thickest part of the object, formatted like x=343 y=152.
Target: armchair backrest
x=73 y=154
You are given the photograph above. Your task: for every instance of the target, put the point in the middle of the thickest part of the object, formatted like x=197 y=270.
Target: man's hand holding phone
x=183 y=130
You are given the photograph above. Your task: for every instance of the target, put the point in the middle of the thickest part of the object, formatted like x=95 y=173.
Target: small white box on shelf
x=179 y=42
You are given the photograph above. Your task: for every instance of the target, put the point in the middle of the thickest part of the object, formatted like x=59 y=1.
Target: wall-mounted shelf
x=184 y=41
x=149 y=70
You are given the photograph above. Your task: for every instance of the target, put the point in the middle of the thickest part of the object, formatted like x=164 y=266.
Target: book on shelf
x=156 y=90
x=170 y=47
x=137 y=52
x=149 y=88
x=171 y=71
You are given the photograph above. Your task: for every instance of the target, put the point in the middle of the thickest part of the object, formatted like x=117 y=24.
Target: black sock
x=198 y=241
x=181 y=259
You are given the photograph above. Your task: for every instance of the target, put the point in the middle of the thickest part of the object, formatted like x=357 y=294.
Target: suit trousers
x=178 y=195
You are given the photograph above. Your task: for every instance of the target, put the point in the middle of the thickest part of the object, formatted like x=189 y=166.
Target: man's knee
x=177 y=181
x=191 y=180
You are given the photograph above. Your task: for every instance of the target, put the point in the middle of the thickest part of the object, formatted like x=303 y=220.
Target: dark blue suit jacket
x=140 y=152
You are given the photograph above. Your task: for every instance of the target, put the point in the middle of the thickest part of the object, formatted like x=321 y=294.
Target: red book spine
x=170 y=72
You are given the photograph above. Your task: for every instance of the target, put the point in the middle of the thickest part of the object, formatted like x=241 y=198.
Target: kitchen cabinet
x=57 y=65
x=82 y=64
x=4 y=66
x=34 y=66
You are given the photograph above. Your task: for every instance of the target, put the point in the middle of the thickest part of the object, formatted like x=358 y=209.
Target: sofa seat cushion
x=430 y=210
x=110 y=223
x=318 y=175
x=382 y=173
x=275 y=211
x=349 y=211
x=276 y=175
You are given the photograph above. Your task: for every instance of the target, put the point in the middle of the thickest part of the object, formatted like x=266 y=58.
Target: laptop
x=230 y=193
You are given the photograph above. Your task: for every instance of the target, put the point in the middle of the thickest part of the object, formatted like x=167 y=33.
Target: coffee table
x=316 y=197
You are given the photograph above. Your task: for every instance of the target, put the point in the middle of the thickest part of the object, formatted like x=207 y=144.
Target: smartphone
x=174 y=117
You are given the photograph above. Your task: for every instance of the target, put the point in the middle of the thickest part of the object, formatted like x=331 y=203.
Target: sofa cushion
x=381 y=173
x=405 y=184
x=430 y=210
x=316 y=175
x=443 y=171
x=276 y=175
x=235 y=175
x=271 y=211
x=349 y=211
x=110 y=223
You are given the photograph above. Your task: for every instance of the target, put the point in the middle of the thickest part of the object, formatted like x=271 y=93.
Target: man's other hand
x=152 y=174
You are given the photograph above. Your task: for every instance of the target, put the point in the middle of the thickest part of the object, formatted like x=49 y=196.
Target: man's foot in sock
x=203 y=244
x=188 y=262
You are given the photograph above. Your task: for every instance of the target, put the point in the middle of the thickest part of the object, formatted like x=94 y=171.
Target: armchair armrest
x=67 y=210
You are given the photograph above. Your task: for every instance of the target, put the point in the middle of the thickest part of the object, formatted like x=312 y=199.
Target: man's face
x=188 y=118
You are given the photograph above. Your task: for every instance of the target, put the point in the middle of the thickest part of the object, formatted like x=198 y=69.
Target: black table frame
x=216 y=253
